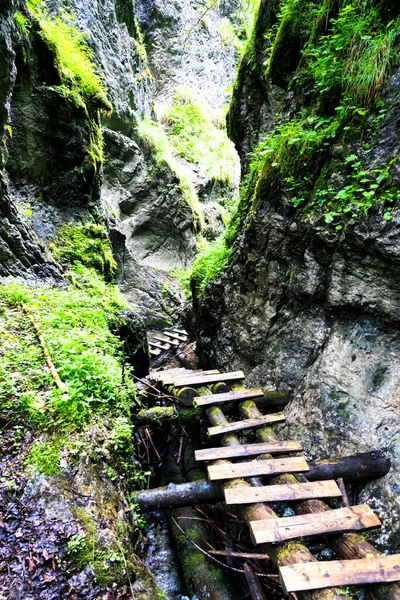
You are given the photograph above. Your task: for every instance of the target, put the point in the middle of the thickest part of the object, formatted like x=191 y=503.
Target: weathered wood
x=384 y=569
x=356 y=468
x=159 y=345
x=181 y=331
x=247 y=450
x=202 y=379
x=256 y=591
x=362 y=467
x=171 y=378
x=284 y=493
x=289 y=528
x=176 y=336
x=169 y=341
x=228 y=397
x=246 y=424
x=159 y=375
x=159 y=415
x=280 y=554
x=208 y=492
x=257 y=467
x=185 y=394
x=155 y=352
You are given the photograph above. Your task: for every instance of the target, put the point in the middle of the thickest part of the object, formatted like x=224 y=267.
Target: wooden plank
x=166 y=346
x=228 y=397
x=354 y=518
x=174 y=336
x=203 y=379
x=283 y=493
x=159 y=375
x=317 y=575
x=247 y=450
x=155 y=352
x=271 y=466
x=166 y=341
x=181 y=331
x=171 y=379
x=246 y=424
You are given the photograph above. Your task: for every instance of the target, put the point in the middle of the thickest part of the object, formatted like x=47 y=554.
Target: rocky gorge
x=120 y=212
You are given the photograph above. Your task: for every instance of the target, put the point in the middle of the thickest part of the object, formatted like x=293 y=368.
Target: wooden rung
x=155 y=352
x=227 y=397
x=283 y=493
x=247 y=450
x=246 y=424
x=353 y=518
x=166 y=346
x=169 y=341
x=206 y=379
x=179 y=332
x=171 y=379
x=159 y=375
x=271 y=466
x=317 y=575
x=176 y=336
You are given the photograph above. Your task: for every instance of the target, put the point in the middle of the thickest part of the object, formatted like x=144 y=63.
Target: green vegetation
x=208 y=265
x=78 y=325
x=87 y=245
x=342 y=53
x=195 y=137
x=74 y=58
x=45 y=456
x=155 y=139
x=21 y=22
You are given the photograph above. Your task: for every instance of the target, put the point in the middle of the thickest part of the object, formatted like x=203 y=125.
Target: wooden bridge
x=286 y=469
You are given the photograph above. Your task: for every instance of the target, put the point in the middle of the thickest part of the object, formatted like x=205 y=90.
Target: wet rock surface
x=314 y=310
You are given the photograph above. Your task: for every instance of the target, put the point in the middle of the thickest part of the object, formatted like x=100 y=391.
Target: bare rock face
x=311 y=309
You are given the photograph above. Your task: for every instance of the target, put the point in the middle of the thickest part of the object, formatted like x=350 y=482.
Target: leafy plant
x=21 y=22
x=194 y=136
x=85 y=244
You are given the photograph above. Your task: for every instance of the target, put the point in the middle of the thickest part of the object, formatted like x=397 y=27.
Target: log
x=346 y=545
x=184 y=394
x=283 y=554
x=207 y=492
x=159 y=415
x=357 y=468
x=256 y=591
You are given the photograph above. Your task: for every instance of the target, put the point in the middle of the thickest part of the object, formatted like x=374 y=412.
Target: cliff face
x=310 y=301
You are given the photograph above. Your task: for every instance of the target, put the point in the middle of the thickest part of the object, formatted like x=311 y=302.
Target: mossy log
x=202 y=578
x=281 y=554
x=184 y=394
x=346 y=545
x=158 y=415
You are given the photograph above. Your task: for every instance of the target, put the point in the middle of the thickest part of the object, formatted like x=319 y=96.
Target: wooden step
x=160 y=346
x=246 y=424
x=354 y=518
x=317 y=575
x=228 y=397
x=179 y=332
x=175 y=336
x=189 y=375
x=155 y=351
x=247 y=450
x=271 y=466
x=159 y=375
x=283 y=493
x=166 y=341
x=204 y=379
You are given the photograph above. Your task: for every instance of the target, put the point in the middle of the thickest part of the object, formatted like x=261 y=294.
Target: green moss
x=77 y=324
x=74 y=58
x=21 y=23
x=45 y=456
x=195 y=137
x=209 y=264
x=87 y=245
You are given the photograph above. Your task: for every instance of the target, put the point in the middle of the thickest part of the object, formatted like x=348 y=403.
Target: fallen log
x=350 y=468
x=158 y=415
